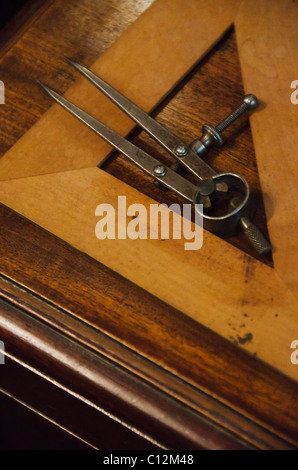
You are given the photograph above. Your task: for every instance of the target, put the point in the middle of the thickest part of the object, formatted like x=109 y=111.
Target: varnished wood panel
x=112 y=304
x=84 y=29
x=195 y=98
x=53 y=190
x=144 y=51
x=209 y=407
x=18 y=18
x=17 y=260
x=235 y=295
x=120 y=394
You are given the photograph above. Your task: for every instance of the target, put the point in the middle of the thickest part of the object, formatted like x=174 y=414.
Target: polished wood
x=151 y=328
x=249 y=313
x=18 y=18
x=120 y=394
x=63 y=202
x=241 y=391
x=100 y=343
x=38 y=54
x=24 y=429
x=137 y=54
x=204 y=83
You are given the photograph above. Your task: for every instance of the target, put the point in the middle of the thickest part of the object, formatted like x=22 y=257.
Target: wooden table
x=96 y=354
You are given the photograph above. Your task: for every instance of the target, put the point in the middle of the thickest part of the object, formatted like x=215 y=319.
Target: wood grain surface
x=63 y=203
x=80 y=419
x=17 y=18
x=213 y=410
x=103 y=299
x=110 y=303
x=251 y=304
x=143 y=52
x=204 y=96
x=267 y=53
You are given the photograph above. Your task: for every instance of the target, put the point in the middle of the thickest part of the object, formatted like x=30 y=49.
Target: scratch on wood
x=249 y=269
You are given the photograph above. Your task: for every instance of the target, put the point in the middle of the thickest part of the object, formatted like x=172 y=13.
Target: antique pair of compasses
x=212 y=187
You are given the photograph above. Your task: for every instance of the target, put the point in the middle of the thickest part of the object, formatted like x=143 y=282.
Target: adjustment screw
x=181 y=150
x=160 y=170
x=212 y=134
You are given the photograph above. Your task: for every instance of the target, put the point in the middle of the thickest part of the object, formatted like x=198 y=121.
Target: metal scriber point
x=212 y=134
x=210 y=184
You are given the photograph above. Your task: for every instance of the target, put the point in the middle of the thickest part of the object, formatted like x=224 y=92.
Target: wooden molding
x=223 y=421
x=133 y=401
